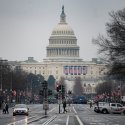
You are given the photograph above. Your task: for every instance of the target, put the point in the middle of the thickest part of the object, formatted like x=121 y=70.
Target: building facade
x=62 y=59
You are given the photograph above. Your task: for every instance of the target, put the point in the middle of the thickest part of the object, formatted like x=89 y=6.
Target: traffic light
x=50 y=92
x=63 y=89
x=41 y=92
x=45 y=85
x=56 y=96
x=57 y=88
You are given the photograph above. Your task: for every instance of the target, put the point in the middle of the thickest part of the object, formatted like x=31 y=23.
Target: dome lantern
x=63 y=16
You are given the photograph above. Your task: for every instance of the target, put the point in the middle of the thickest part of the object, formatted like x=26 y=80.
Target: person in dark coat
x=6 y=108
x=64 y=106
x=90 y=104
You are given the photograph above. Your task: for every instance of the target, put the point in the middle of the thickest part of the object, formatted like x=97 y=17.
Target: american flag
x=66 y=70
x=71 y=70
x=79 y=70
x=75 y=70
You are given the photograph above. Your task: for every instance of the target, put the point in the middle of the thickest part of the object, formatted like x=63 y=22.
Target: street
x=78 y=114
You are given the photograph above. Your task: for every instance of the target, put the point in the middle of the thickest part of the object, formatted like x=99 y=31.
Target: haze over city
x=26 y=25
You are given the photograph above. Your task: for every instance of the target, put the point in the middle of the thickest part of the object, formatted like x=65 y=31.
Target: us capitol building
x=62 y=59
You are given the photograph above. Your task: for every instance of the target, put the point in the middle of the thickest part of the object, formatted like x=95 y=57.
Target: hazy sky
x=26 y=25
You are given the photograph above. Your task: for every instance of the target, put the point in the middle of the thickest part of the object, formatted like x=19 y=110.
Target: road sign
x=45 y=106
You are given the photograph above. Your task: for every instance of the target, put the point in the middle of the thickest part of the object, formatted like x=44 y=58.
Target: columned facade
x=62 y=52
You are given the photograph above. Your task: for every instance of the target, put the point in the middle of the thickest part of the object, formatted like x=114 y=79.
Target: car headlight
x=14 y=110
x=25 y=111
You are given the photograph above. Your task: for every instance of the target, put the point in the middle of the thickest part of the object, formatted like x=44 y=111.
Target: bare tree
x=113 y=45
x=105 y=87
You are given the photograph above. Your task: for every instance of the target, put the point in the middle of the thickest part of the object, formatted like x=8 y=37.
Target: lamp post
x=32 y=96
x=12 y=69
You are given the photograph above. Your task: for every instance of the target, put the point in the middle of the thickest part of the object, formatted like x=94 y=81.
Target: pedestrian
x=64 y=106
x=97 y=103
x=90 y=104
x=6 y=108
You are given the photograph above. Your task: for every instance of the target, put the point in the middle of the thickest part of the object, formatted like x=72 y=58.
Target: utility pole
x=60 y=89
x=45 y=94
x=12 y=69
x=59 y=99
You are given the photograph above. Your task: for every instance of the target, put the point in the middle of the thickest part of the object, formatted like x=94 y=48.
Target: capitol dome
x=62 y=29
x=62 y=42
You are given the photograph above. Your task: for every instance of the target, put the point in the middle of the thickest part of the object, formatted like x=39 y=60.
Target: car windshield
x=20 y=106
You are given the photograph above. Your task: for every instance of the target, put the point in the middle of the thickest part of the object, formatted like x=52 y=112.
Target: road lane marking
x=74 y=110
x=52 y=109
x=67 y=121
x=49 y=120
x=80 y=122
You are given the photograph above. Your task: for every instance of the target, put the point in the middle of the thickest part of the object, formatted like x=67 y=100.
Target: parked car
x=20 y=109
x=105 y=108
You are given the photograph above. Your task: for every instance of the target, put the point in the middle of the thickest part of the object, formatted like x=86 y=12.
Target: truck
x=105 y=108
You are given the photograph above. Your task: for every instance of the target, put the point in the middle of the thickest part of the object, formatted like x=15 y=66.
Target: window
x=113 y=105
x=35 y=72
x=118 y=105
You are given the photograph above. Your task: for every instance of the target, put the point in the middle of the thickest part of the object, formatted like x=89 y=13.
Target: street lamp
x=12 y=69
